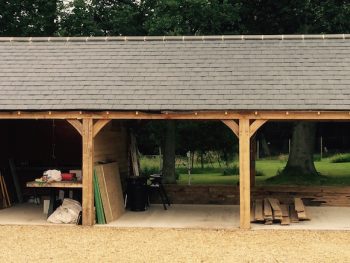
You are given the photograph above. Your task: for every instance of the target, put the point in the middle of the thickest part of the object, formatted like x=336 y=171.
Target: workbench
x=53 y=186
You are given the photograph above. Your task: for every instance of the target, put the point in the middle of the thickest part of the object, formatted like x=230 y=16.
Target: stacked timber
x=271 y=210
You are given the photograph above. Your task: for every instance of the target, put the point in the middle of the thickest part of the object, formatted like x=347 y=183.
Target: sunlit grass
x=331 y=173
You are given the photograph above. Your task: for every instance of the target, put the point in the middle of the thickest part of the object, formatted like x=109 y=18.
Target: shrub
x=282 y=157
x=148 y=170
x=234 y=170
x=340 y=158
x=259 y=173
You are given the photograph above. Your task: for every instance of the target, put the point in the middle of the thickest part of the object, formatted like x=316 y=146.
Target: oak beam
x=232 y=125
x=98 y=126
x=77 y=125
x=187 y=115
x=88 y=168
x=255 y=126
x=244 y=173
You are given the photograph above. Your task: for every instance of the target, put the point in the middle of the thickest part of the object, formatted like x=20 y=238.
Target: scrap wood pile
x=4 y=193
x=270 y=210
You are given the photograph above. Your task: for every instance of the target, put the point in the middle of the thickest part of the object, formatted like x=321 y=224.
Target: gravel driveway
x=97 y=244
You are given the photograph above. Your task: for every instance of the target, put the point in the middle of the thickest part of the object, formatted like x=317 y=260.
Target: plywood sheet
x=111 y=190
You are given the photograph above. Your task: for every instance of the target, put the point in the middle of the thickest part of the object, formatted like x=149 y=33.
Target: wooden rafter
x=98 y=126
x=232 y=125
x=255 y=126
x=77 y=125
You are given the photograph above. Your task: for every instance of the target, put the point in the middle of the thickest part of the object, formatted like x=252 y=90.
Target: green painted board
x=98 y=202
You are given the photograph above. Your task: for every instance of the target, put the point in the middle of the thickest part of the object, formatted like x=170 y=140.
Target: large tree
x=101 y=18
x=28 y=18
x=191 y=17
x=301 y=161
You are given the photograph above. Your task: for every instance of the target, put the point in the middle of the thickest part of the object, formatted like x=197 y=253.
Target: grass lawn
x=331 y=174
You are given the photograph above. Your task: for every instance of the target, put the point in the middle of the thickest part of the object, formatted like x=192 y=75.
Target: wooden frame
x=244 y=131
x=88 y=124
x=192 y=115
x=88 y=129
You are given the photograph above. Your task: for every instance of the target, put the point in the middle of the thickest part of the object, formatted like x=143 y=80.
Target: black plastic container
x=137 y=194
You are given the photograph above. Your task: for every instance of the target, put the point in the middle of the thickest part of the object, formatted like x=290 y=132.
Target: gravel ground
x=98 y=244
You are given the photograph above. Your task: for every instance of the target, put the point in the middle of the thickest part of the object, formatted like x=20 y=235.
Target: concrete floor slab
x=23 y=214
x=182 y=216
x=188 y=216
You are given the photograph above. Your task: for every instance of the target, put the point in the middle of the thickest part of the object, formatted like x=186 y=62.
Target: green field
x=330 y=173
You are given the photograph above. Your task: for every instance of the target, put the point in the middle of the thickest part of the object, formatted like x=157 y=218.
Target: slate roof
x=310 y=72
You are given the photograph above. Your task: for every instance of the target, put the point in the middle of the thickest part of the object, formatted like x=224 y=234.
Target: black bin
x=137 y=194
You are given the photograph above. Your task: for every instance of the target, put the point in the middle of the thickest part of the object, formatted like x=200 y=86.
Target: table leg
x=52 y=202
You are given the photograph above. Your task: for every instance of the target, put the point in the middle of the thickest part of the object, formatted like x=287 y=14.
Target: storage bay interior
x=39 y=145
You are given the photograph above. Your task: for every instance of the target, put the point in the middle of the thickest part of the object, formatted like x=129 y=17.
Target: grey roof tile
x=289 y=74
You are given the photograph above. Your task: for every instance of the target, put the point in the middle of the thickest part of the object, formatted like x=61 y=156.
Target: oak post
x=88 y=166
x=244 y=173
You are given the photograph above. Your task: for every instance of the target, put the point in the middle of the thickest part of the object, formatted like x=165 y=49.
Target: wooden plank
x=255 y=126
x=98 y=126
x=258 y=213
x=302 y=216
x=293 y=214
x=276 y=209
x=6 y=191
x=77 y=125
x=88 y=161
x=233 y=126
x=285 y=214
x=15 y=181
x=62 y=184
x=252 y=212
x=4 y=201
x=100 y=215
x=267 y=210
x=244 y=173
x=299 y=205
x=134 y=155
x=111 y=190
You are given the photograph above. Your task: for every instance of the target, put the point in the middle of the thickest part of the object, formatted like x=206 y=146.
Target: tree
x=301 y=160
x=118 y=17
x=169 y=153
x=191 y=17
x=77 y=19
x=28 y=18
x=101 y=18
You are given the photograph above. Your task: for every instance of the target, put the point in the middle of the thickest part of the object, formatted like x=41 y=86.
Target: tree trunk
x=265 y=146
x=169 y=153
x=301 y=158
x=252 y=160
x=202 y=160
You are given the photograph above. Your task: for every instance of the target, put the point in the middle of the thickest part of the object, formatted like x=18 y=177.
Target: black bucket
x=137 y=194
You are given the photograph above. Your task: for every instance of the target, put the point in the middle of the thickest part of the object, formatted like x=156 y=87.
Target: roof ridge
x=177 y=38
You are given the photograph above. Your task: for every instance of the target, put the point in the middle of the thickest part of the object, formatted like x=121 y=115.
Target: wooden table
x=62 y=184
x=53 y=186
